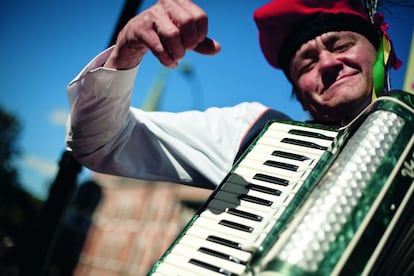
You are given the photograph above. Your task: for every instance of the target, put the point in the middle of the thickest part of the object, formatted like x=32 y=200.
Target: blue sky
x=46 y=43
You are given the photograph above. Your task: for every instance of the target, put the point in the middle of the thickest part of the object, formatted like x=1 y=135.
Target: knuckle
x=158 y=50
x=201 y=16
x=171 y=32
x=153 y=11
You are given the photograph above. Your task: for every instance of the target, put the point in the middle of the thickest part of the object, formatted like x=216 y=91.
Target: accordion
x=308 y=199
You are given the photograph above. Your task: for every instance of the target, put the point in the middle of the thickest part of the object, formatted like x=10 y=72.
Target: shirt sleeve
x=107 y=135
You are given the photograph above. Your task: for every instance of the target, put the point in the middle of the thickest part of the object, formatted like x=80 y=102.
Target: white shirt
x=107 y=135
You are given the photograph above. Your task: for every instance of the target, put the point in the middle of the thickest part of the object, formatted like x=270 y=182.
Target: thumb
x=208 y=47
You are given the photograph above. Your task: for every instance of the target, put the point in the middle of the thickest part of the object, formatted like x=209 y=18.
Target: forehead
x=328 y=39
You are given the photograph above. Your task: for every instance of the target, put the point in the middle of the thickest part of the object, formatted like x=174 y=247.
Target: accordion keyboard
x=224 y=235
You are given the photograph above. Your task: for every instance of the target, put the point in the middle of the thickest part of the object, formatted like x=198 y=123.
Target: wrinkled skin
x=333 y=76
x=168 y=29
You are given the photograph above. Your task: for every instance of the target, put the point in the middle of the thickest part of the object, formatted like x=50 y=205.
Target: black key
x=303 y=143
x=244 y=214
x=220 y=255
x=271 y=179
x=310 y=134
x=255 y=200
x=281 y=165
x=236 y=225
x=262 y=189
x=224 y=242
x=289 y=155
x=211 y=267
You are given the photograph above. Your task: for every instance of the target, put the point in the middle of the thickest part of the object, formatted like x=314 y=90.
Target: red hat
x=279 y=19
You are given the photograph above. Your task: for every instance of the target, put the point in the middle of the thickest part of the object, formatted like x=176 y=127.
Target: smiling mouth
x=346 y=76
x=338 y=81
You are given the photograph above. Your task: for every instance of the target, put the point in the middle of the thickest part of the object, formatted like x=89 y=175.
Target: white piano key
x=203 y=233
x=195 y=242
x=236 y=179
x=218 y=204
x=267 y=149
x=280 y=136
x=292 y=184
x=269 y=193
x=265 y=140
x=265 y=225
x=247 y=240
x=259 y=166
x=276 y=134
x=208 y=223
x=249 y=243
x=263 y=157
x=270 y=170
x=190 y=253
x=231 y=197
x=222 y=206
x=283 y=128
x=256 y=226
x=180 y=266
x=238 y=189
x=166 y=269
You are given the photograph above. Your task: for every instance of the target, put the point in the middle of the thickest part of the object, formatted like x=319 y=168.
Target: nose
x=329 y=66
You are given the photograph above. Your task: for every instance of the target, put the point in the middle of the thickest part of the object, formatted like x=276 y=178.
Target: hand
x=168 y=29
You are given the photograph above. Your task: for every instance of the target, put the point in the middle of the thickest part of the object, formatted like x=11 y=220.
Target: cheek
x=367 y=74
x=306 y=84
x=369 y=70
x=368 y=59
x=303 y=95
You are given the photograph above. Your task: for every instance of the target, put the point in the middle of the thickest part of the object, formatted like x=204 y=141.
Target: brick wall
x=134 y=224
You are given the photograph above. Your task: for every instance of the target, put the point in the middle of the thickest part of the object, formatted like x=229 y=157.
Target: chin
x=343 y=113
x=327 y=117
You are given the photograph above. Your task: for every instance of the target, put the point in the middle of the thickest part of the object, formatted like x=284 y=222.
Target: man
x=329 y=63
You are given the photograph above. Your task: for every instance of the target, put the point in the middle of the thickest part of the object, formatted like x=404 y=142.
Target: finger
x=203 y=45
x=189 y=34
x=151 y=41
x=169 y=36
x=208 y=47
x=190 y=19
x=161 y=48
x=158 y=33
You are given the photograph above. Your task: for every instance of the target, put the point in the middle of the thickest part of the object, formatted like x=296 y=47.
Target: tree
x=18 y=209
x=10 y=129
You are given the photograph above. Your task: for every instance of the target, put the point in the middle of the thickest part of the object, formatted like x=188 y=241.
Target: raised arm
x=109 y=136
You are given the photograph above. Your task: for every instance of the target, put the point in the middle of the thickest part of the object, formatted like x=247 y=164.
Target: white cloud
x=41 y=166
x=59 y=116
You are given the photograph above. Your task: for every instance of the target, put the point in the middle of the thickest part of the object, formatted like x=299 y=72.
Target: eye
x=306 y=66
x=342 y=46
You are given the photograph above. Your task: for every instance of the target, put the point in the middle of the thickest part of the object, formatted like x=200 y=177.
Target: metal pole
x=129 y=10
x=41 y=242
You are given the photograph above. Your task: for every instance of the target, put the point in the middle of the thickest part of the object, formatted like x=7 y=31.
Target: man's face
x=333 y=75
